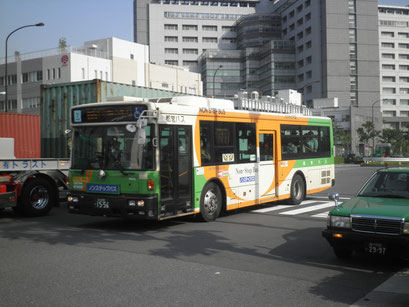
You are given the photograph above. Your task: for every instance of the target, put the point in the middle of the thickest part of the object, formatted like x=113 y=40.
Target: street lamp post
x=214 y=75
x=373 y=139
x=5 y=68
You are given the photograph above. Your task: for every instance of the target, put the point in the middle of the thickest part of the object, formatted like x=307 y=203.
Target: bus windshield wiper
x=120 y=168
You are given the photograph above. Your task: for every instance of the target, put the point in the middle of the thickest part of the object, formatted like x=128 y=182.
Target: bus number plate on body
x=102 y=203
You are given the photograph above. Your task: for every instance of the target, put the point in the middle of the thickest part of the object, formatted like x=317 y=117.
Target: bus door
x=267 y=174
x=175 y=143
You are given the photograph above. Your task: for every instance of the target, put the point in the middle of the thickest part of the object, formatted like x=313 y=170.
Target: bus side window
x=205 y=143
x=246 y=139
x=266 y=147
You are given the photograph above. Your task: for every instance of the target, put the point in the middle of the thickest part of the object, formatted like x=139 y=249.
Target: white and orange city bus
x=195 y=155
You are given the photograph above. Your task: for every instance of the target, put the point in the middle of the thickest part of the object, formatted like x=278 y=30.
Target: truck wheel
x=37 y=198
x=297 y=192
x=210 y=202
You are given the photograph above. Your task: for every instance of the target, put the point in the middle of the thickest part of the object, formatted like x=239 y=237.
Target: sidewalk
x=392 y=293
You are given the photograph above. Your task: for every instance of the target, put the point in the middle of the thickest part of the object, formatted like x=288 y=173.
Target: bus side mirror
x=141 y=136
x=334 y=197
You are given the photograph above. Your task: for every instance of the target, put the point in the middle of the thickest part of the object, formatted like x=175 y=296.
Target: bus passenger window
x=205 y=143
x=246 y=142
x=266 y=147
x=206 y=157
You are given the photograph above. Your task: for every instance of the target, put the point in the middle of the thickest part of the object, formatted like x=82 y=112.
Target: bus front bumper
x=135 y=206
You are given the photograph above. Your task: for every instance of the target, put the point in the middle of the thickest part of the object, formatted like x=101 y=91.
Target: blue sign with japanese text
x=102 y=188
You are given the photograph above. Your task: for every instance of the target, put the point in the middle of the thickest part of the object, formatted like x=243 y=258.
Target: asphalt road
x=269 y=257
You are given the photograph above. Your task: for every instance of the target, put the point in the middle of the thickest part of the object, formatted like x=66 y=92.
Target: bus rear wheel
x=297 y=192
x=210 y=202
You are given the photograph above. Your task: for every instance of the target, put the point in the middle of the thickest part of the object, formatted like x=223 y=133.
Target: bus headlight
x=339 y=221
x=406 y=228
x=136 y=203
x=72 y=199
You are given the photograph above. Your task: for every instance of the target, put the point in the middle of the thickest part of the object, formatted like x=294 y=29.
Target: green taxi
x=376 y=221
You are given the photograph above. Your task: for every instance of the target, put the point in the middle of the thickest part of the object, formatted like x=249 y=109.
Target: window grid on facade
x=189 y=27
x=171 y=50
x=209 y=28
x=209 y=39
x=388 y=79
x=172 y=62
x=388 y=56
x=173 y=39
x=171 y=27
x=190 y=51
x=189 y=39
x=389 y=102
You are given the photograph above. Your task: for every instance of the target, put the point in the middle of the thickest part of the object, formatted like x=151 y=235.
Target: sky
x=76 y=20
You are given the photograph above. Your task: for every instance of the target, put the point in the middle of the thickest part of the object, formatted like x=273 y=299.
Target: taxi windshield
x=391 y=184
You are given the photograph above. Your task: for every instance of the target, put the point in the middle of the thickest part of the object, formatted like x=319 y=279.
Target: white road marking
x=309 y=209
x=321 y=215
x=279 y=207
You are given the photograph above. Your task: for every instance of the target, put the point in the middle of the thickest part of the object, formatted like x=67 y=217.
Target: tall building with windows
x=263 y=62
x=179 y=31
x=394 y=66
x=337 y=55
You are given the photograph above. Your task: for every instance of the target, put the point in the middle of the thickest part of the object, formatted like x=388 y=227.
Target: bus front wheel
x=210 y=202
x=297 y=192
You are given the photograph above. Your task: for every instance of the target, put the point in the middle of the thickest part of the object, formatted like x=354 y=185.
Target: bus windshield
x=113 y=147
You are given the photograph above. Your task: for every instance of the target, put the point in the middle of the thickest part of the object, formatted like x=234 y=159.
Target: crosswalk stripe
x=308 y=209
x=279 y=207
x=321 y=215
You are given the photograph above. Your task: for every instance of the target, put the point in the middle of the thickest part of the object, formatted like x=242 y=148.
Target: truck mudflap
x=131 y=206
x=7 y=192
x=7 y=200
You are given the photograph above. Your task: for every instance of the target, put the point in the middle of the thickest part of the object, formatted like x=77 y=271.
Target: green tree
x=62 y=44
x=398 y=139
x=341 y=138
x=368 y=132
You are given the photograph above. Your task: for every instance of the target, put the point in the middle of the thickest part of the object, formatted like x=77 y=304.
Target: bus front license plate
x=376 y=248
x=102 y=203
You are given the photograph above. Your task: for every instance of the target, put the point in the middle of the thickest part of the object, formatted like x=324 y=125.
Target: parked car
x=353 y=158
x=376 y=221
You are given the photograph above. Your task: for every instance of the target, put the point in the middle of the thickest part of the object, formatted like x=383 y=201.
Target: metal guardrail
x=272 y=106
x=377 y=159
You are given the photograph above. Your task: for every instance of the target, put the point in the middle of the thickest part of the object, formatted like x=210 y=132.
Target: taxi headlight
x=340 y=221
x=406 y=228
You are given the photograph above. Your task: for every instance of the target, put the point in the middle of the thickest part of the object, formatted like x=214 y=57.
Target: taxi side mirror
x=334 y=197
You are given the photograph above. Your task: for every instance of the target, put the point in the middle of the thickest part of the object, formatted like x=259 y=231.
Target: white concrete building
x=111 y=59
x=394 y=66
